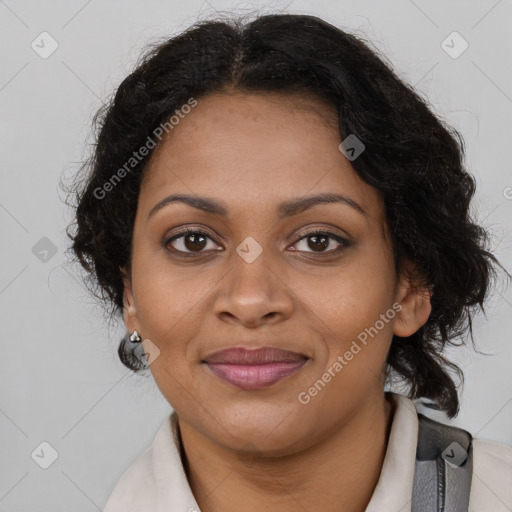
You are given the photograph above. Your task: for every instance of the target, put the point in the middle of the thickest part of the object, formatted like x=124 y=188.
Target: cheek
x=352 y=296
x=170 y=299
x=358 y=329
x=352 y=307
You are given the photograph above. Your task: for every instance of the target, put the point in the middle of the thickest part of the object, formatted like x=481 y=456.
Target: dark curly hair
x=411 y=156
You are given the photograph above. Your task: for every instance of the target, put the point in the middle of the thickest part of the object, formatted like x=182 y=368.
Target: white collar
x=395 y=485
x=157 y=480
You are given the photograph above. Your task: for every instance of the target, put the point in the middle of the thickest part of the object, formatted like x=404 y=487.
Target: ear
x=129 y=309
x=416 y=306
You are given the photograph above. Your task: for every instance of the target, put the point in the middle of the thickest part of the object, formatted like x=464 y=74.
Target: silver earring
x=135 y=338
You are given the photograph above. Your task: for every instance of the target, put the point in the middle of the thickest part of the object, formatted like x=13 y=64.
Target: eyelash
x=188 y=231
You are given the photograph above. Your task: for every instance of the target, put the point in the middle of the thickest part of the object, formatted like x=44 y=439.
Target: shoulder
x=138 y=477
x=156 y=479
x=491 y=486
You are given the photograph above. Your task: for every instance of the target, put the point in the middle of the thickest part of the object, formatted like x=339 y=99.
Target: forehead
x=254 y=150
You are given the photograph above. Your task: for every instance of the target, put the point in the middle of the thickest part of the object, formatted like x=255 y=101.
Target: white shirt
x=156 y=480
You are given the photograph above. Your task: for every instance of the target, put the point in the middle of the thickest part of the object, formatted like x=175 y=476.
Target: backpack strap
x=444 y=467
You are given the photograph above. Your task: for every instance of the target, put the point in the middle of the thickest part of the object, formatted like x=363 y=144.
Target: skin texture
x=248 y=448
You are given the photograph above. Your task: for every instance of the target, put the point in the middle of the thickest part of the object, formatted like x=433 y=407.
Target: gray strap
x=444 y=468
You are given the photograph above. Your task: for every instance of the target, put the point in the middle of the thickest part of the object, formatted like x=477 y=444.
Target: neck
x=346 y=468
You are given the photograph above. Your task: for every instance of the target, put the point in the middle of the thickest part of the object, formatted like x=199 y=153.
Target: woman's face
x=254 y=278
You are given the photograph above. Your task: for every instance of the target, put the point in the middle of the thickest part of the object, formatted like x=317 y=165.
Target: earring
x=135 y=338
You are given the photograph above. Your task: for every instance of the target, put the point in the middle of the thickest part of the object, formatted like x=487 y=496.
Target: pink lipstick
x=252 y=369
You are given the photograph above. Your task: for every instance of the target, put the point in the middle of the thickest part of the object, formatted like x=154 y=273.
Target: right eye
x=188 y=240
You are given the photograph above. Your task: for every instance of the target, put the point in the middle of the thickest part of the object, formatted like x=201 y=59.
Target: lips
x=262 y=355
x=252 y=369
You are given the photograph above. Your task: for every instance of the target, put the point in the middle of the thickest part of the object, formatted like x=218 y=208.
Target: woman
x=284 y=226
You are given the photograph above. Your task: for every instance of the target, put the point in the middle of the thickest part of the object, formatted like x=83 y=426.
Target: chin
x=263 y=430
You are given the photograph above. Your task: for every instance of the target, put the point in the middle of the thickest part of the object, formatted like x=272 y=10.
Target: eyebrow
x=285 y=209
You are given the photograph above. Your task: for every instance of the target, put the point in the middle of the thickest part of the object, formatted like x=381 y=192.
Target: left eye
x=194 y=241
x=321 y=240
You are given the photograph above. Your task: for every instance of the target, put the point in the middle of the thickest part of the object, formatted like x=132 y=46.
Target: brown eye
x=319 y=241
x=189 y=241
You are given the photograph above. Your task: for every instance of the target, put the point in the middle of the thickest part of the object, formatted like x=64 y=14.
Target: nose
x=253 y=294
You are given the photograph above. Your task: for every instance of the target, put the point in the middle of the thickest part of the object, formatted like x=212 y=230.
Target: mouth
x=252 y=369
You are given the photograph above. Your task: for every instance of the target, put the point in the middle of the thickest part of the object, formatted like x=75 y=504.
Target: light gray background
x=60 y=379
